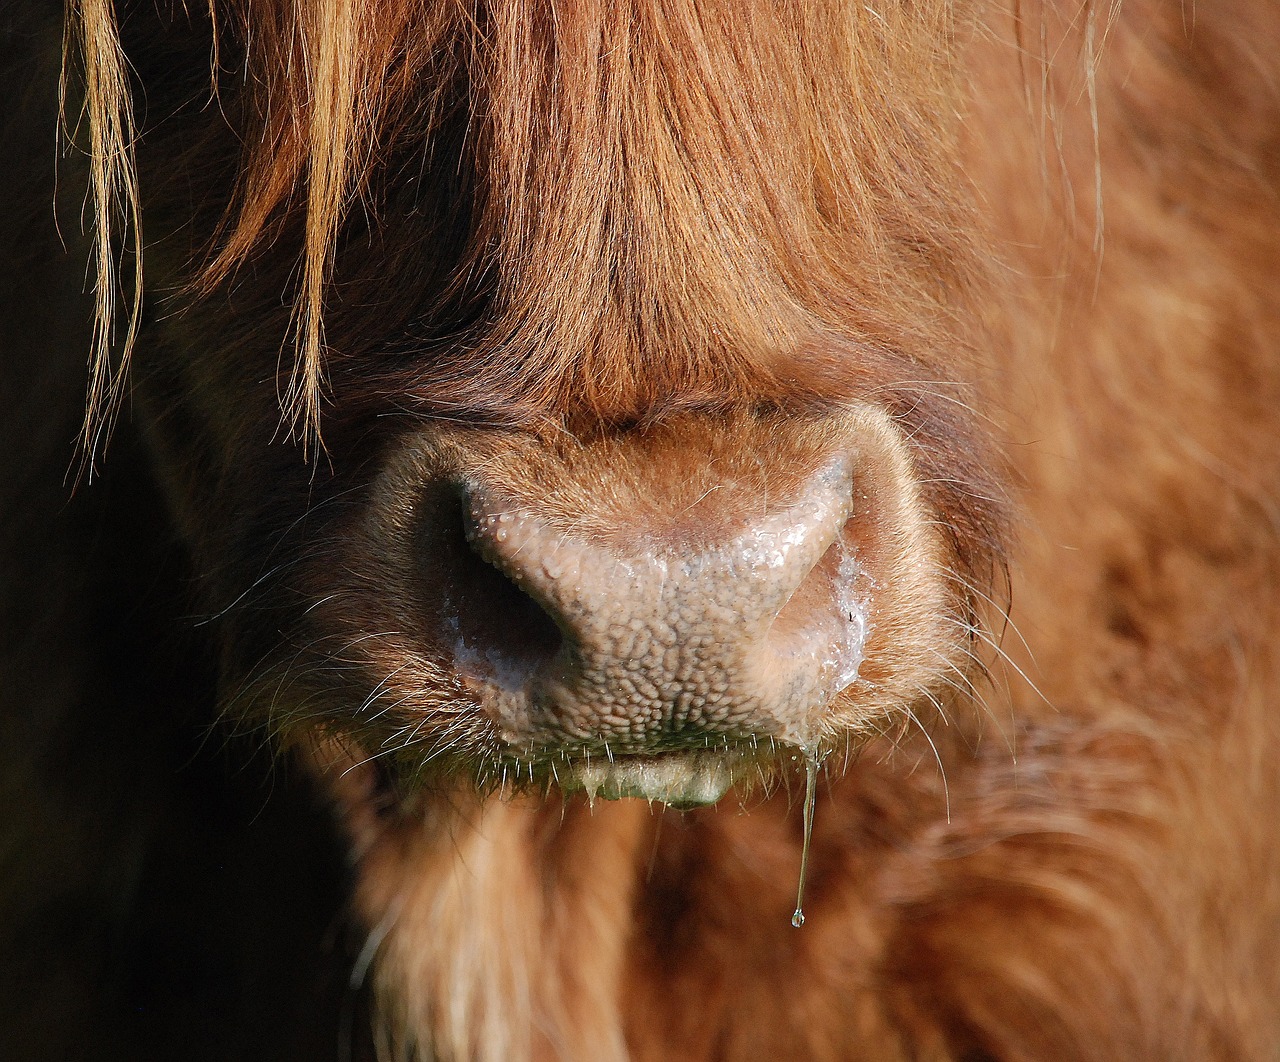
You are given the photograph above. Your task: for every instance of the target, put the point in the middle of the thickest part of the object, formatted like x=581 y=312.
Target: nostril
x=498 y=632
x=827 y=618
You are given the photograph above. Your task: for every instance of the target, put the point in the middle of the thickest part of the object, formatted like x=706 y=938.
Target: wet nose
x=680 y=626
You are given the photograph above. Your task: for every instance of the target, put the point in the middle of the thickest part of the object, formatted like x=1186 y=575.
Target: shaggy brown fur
x=622 y=260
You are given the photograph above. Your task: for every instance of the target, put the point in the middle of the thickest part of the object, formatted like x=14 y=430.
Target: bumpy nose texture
x=743 y=635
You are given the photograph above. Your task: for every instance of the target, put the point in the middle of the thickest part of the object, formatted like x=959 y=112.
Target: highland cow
x=610 y=531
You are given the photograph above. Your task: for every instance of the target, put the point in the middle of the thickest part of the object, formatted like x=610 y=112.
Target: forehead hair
x=656 y=182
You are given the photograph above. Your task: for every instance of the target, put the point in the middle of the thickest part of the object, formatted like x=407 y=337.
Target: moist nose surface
x=664 y=637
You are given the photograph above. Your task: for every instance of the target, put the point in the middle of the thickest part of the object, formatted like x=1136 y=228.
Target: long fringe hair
x=600 y=134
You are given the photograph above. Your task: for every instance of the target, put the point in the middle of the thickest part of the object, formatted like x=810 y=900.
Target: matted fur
x=1038 y=240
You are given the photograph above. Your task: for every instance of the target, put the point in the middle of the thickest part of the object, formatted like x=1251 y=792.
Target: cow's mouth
x=679 y=776
x=678 y=779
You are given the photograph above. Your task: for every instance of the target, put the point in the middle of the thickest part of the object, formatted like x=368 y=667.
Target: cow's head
x=629 y=349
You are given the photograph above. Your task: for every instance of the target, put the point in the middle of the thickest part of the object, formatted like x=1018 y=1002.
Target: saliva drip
x=810 y=797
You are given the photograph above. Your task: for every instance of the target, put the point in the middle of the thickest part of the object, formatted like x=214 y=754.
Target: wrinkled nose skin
x=636 y=606
x=662 y=639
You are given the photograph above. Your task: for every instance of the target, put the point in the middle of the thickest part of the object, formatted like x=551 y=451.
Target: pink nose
x=664 y=627
x=638 y=612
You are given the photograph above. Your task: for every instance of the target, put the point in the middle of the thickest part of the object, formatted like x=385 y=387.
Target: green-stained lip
x=679 y=779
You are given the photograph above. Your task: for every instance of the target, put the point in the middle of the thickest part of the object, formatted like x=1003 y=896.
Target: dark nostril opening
x=497 y=632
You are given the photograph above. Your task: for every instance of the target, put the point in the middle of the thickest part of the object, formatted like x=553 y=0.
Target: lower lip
x=679 y=779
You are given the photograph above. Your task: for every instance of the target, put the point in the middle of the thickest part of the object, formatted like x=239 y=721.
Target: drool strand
x=810 y=793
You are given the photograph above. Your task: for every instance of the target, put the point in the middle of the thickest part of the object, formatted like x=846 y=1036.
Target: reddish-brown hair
x=679 y=195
